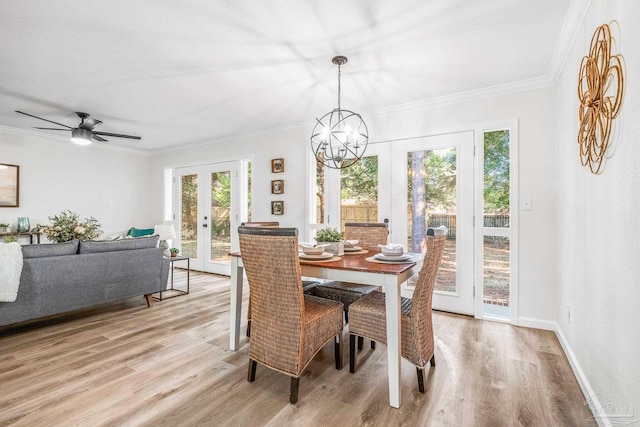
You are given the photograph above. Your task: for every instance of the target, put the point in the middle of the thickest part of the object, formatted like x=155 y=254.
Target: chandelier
x=340 y=137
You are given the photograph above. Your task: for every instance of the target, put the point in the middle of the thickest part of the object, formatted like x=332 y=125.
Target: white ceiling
x=180 y=73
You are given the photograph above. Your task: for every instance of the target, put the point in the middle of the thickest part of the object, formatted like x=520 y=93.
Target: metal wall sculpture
x=600 y=92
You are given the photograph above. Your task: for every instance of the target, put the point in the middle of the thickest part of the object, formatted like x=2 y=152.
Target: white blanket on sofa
x=10 y=270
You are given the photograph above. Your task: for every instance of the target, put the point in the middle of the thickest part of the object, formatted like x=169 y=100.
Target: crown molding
x=468 y=96
x=488 y=92
x=572 y=22
x=233 y=138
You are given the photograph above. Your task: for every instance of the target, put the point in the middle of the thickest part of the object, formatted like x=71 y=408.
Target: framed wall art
x=9 y=185
x=277 y=165
x=277 y=186
x=277 y=208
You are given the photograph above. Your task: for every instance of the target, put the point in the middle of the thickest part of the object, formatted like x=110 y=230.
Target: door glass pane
x=248 y=191
x=319 y=211
x=189 y=226
x=431 y=198
x=220 y=215
x=359 y=192
x=495 y=273
x=496 y=178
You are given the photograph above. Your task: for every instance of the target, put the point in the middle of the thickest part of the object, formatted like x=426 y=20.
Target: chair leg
x=352 y=353
x=336 y=341
x=373 y=345
x=249 y=327
x=293 y=393
x=420 y=380
x=433 y=360
x=251 y=375
x=346 y=316
x=360 y=343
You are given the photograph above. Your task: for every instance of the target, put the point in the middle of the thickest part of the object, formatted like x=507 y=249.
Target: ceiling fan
x=84 y=134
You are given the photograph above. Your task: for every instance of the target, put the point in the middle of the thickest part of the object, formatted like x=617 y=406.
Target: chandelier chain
x=339 y=72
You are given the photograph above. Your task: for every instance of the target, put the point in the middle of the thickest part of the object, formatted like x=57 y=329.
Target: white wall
x=599 y=232
x=55 y=175
x=538 y=288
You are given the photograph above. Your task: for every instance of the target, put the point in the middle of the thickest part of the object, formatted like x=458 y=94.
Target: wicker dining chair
x=307 y=285
x=369 y=235
x=288 y=327
x=367 y=316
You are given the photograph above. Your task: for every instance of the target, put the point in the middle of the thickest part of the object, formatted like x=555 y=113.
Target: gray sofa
x=62 y=277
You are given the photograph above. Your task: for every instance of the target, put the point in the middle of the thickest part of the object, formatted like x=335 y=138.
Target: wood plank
x=123 y=364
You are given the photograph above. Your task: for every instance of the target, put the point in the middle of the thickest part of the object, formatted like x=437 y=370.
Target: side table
x=176 y=292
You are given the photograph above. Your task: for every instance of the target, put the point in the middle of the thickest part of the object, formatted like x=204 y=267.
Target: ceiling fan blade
x=90 y=124
x=118 y=135
x=66 y=130
x=98 y=138
x=40 y=118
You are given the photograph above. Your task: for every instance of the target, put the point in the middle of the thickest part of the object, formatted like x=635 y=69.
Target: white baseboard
x=591 y=398
x=545 y=325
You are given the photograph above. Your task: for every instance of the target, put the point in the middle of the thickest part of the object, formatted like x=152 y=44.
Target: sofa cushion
x=50 y=249
x=91 y=247
x=140 y=232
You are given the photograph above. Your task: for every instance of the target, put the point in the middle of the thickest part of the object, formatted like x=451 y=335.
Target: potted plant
x=174 y=252
x=4 y=227
x=10 y=238
x=332 y=238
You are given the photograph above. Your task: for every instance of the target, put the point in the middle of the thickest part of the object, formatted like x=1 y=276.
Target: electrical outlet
x=569 y=314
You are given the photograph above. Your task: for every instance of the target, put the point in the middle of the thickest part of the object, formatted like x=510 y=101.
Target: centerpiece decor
x=67 y=226
x=332 y=238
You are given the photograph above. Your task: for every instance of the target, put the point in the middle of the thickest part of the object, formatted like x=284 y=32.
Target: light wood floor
x=125 y=364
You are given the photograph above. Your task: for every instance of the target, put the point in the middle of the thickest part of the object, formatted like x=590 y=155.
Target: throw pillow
x=91 y=247
x=50 y=249
x=140 y=232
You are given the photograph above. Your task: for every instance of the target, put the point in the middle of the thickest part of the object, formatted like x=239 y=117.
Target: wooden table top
x=358 y=263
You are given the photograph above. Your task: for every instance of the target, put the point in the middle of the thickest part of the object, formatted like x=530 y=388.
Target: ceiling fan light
x=81 y=136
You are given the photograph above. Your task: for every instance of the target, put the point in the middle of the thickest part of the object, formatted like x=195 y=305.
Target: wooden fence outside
x=369 y=213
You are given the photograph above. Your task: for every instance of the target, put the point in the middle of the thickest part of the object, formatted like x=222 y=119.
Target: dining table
x=360 y=268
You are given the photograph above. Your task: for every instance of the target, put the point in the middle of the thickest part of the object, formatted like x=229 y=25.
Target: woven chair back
x=261 y=224
x=270 y=258
x=370 y=234
x=423 y=298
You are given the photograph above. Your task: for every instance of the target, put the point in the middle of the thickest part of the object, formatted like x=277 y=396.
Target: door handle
x=204 y=225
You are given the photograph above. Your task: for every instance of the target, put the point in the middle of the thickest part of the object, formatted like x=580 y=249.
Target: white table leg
x=392 y=289
x=237 y=272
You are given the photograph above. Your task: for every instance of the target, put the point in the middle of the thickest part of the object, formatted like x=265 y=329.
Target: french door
x=207 y=208
x=432 y=183
x=415 y=184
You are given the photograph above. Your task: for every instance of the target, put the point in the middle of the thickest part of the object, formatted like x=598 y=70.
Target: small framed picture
x=277 y=186
x=277 y=165
x=277 y=208
x=9 y=186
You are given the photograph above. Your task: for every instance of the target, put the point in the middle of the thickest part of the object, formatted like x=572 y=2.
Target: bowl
x=350 y=243
x=316 y=250
x=392 y=249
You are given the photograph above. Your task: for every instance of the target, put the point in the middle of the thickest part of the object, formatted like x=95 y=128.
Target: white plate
x=325 y=255
x=353 y=249
x=382 y=257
